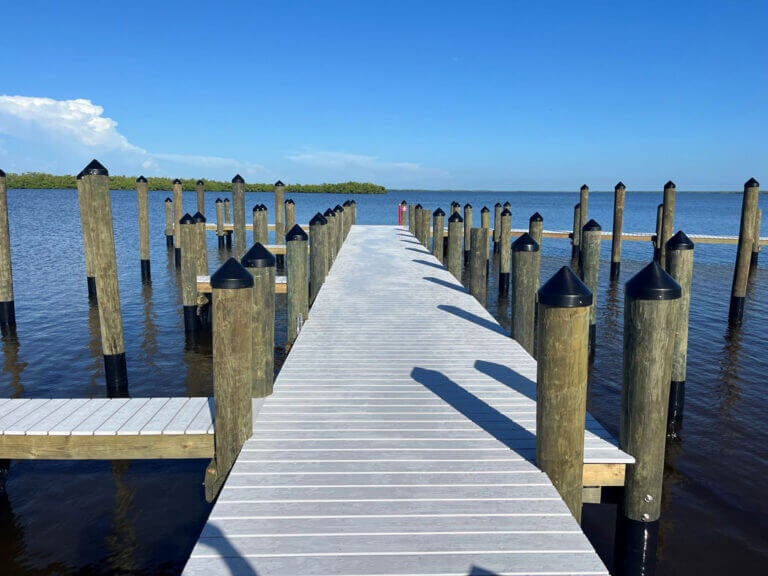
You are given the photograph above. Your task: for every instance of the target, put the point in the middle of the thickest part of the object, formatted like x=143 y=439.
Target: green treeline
x=40 y=180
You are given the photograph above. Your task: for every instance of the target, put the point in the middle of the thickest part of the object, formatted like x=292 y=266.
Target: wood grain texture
x=142 y=199
x=680 y=267
x=200 y=195
x=189 y=246
x=169 y=218
x=478 y=271
x=280 y=228
x=525 y=284
x=238 y=208
x=505 y=239
x=667 y=222
x=178 y=212
x=263 y=363
x=467 y=228
x=437 y=246
x=297 y=272
x=619 y=197
x=318 y=258
x=746 y=237
x=455 y=253
x=6 y=274
x=290 y=215
x=590 y=267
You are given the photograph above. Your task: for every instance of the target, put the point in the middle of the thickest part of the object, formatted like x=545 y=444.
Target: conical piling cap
x=258 y=257
x=238 y=179
x=751 y=183
x=403 y=203
x=506 y=212
x=231 y=276
x=347 y=204
x=467 y=206
x=507 y=205
x=338 y=208
x=329 y=213
x=525 y=243
x=94 y=168
x=619 y=186
x=176 y=181
x=353 y=202
x=536 y=217
x=669 y=184
x=199 y=218
x=186 y=219
x=584 y=188
x=497 y=205
x=296 y=234
x=484 y=210
x=141 y=179
x=78 y=177
x=168 y=199
x=418 y=206
x=591 y=226
x=652 y=283
x=264 y=208
x=279 y=183
x=680 y=242
x=290 y=201
x=226 y=200
x=218 y=201
x=565 y=290
x=318 y=220
x=455 y=217
x=200 y=183
x=438 y=212
x=2 y=173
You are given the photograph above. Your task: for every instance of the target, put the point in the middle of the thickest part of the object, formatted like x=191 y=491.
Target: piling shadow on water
x=508 y=377
x=431 y=264
x=474 y=318
x=451 y=285
x=505 y=430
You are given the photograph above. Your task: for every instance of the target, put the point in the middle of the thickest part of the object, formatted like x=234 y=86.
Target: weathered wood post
x=318 y=255
x=280 y=212
x=467 y=231
x=142 y=198
x=238 y=208
x=297 y=271
x=261 y=225
x=590 y=269
x=667 y=220
x=220 y=222
x=657 y=239
x=526 y=264
x=478 y=269
x=485 y=222
x=347 y=205
x=505 y=251
x=330 y=232
x=178 y=213
x=576 y=234
x=416 y=222
x=561 y=384
x=353 y=219
x=651 y=302
x=744 y=251
x=680 y=267
x=456 y=208
x=412 y=219
x=87 y=243
x=232 y=296
x=7 y=305
x=260 y=263
x=188 y=238
x=496 y=227
x=426 y=227
x=619 y=195
x=96 y=196
x=227 y=211
x=756 y=240
x=438 y=216
x=455 y=257
x=202 y=244
x=536 y=227
x=583 y=206
x=200 y=189
x=402 y=213
x=339 y=211
x=290 y=214
x=169 y=223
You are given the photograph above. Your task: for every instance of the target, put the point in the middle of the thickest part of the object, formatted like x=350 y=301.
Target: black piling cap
x=176 y=181
x=141 y=179
x=497 y=205
x=238 y=179
x=347 y=203
x=199 y=218
x=680 y=242
x=536 y=217
x=652 y=283
x=256 y=208
x=507 y=205
x=669 y=184
x=258 y=257
x=279 y=183
x=95 y=168
x=329 y=213
x=218 y=201
x=296 y=233
x=418 y=206
x=455 y=217
x=525 y=244
x=290 y=201
x=318 y=220
x=619 y=186
x=751 y=183
x=231 y=276
x=484 y=210
x=353 y=202
x=78 y=177
x=403 y=203
x=168 y=200
x=438 y=212
x=338 y=208
x=186 y=219
x=264 y=208
x=565 y=290
x=226 y=200
x=506 y=212
x=591 y=226
x=2 y=173
x=583 y=187
x=467 y=205
x=200 y=183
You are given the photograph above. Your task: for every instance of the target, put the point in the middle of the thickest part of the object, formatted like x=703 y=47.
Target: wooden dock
x=400 y=439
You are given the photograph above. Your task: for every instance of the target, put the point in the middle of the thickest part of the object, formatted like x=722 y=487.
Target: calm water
x=143 y=517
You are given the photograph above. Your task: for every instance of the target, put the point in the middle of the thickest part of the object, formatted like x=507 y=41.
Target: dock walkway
x=399 y=439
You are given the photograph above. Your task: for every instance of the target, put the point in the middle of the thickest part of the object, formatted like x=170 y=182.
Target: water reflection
x=730 y=380
x=11 y=364
x=122 y=540
x=149 y=335
x=12 y=544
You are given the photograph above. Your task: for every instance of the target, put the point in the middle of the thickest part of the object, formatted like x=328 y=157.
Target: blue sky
x=502 y=95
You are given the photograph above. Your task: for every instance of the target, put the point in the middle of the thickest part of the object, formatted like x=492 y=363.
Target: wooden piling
x=438 y=216
x=426 y=228
x=88 y=244
x=485 y=222
x=260 y=263
x=667 y=220
x=657 y=238
x=496 y=227
x=318 y=256
x=402 y=211
x=412 y=219
x=201 y=249
x=478 y=269
x=576 y=234
x=583 y=206
x=142 y=198
x=220 y=222
x=455 y=256
x=744 y=251
x=561 y=384
x=280 y=227
x=331 y=236
x=526 y=264
x=339 y=211
x=95 y=182
x=297 y=270
x=200 y=189
x=416 y=221
x=169 y=223
x=680 y=267
x=505 y=251
x=7 y=305
x=188 y=239
x=536 y=227
x=756 y=240
x=290 y=214
x=238 y=208
x=178 y=213
x=651 y=302
x=227 y=211
x=261 y=225
x=467 y=232
x=232 y=297
x=619 y=194
x=590 y=269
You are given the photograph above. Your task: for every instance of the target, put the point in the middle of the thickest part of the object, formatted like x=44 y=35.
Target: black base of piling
x=169 y=241
x=592 y=339
x=615 y=271
x=92 y=295
x=675 y=411
x=229 y=239
x=191 y=319
x=466 y=257
x=177 y=257
x=637 y=548
x=116 y=374
x=220 y=241
x=574 y=252
x=146 y=272
x=496 y=246
x=753 y=260
x=7 y=314
x=736 y=312
x=503 y=283
x=656 y=254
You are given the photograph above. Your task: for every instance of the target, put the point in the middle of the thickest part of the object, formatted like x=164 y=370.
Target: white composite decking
x=399 y=439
